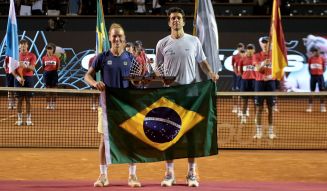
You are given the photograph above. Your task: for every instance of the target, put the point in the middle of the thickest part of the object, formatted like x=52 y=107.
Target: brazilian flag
x=148 y=125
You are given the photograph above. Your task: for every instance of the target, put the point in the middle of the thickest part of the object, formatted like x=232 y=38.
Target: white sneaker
x=133 y=181
x=243 y=119
x=309 y=109
x=48 y=106
x=248 y=112
x=272 y=136
x=29 y=123
x=257 y=136
x=239 y=114
x=234 y=109
x=19 y=122
x=275 y=109
x=168 y=181
x=322 y=109
x=10 y=106
x=52 y=105
x=191 y=180
x=102 y=181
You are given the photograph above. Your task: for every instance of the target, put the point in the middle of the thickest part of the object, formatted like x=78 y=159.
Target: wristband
x=18 y=78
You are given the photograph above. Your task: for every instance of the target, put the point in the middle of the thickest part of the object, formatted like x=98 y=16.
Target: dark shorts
x=29 y=83
x=50 y=78
x=247 y=85
x=265 y=86
x=10 y=80
x=317 y=79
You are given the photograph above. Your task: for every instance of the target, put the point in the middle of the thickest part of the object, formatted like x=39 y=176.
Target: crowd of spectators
x=158 y=7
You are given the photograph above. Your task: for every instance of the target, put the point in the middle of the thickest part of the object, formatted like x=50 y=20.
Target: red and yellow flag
x=278 y=49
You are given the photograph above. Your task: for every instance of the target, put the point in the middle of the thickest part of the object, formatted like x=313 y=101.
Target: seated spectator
x=140 y=7
x=129 y=7
x=74 y=7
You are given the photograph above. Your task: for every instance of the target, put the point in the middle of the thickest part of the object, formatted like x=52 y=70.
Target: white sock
x=104 y=169
x=259 y=129
x=170 y=167
x=132 y=169
x=20 y=116
x=271 y=129
x=191 y=167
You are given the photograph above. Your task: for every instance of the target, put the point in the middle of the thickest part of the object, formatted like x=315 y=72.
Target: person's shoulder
x=164 y=40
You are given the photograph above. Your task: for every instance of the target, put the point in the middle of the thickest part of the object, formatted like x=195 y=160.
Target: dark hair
x=23 y=41
x=240 y=45
x=314 y=49
x=51 y=46
x=129 y=44
x=250 y=46
x=242 y=50
x=175 y=10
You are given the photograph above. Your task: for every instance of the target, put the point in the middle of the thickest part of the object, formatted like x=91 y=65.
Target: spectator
x=74 y=7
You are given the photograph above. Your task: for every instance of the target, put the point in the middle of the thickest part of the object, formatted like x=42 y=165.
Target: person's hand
x=213 y=76
x=100 y=86
x=20 y=80
x=22 y=64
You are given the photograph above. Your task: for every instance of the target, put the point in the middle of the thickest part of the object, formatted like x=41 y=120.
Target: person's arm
x=58 y=62
x=89 y=79
x=19 y=78
x=207 y=69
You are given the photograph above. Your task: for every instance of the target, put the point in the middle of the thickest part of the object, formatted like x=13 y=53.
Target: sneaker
x=29 y=123
x=191 y=180
x=94 y=107
x=272 y=136
x=53 y=105
x=243 y=119
x=309 y=110
x=168 y=181
x=48 y=106
x=248 y=112
x=133 y=182
x=322 y=109
x=102 y=181
x=10 y=106
x=257 y=136
x=275 y=109
x=19 y=122
x=234 y=109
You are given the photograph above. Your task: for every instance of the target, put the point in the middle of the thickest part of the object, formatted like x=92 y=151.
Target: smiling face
x=176 y=21
x=23 y=47
x=117 y=38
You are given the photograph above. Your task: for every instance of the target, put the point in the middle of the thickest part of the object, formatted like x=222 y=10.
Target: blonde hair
x=116 y=26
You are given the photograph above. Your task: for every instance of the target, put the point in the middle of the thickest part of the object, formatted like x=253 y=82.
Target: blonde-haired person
x=112 y=65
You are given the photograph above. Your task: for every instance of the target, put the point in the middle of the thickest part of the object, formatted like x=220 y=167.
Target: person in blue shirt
x=114 y=65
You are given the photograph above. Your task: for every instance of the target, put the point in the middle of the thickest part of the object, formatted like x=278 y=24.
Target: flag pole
x=196 y=5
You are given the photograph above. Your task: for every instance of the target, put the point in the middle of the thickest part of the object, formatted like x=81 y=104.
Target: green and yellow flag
x=148 y=125
x=102 y=40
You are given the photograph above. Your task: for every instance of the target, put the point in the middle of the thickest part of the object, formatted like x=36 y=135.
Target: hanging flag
x=102 y=44
x=207 y=31
x=277 y=39
x=162 y=124
x=102 y=40
x=12 y=50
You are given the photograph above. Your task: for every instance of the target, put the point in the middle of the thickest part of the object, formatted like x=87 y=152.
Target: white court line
x=4 y=119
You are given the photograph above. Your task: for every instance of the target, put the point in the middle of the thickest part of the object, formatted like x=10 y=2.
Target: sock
x=132 y=169
x=259 y=129
x=104 y=169
x=271 y=129
x=170 y=167
x=29 y=117
x=191 y=167
x=20 y=116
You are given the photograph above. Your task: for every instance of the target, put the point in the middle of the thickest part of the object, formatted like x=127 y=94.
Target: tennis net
x=72 y=121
